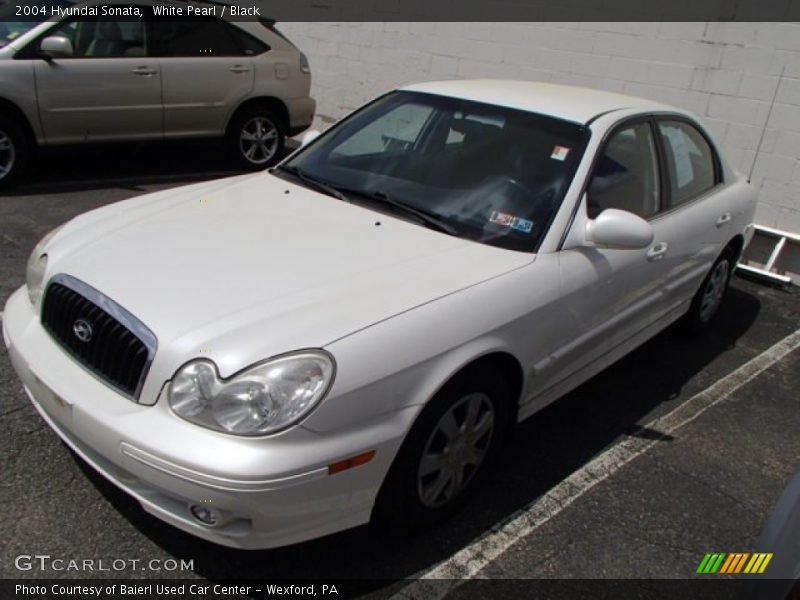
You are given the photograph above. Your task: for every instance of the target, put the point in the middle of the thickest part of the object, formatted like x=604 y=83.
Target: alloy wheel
x=258 y=140
x=455 y=450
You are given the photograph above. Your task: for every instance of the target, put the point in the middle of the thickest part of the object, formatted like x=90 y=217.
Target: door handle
x=657 y=251
x=144 y=71
x=723 y=218
x=240 y=69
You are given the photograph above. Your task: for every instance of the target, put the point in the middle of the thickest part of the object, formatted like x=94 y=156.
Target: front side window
x=17 y=19
x=104 y=37
x=493 y=174
x=690 y=161
x=626 y=174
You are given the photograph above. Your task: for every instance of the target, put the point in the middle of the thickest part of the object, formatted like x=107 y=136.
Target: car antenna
x=766 y=122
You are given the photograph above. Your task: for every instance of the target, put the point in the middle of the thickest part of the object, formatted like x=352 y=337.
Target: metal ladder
x=781 y=237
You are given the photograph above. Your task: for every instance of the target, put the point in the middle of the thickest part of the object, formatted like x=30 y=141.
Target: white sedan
x=275 y=357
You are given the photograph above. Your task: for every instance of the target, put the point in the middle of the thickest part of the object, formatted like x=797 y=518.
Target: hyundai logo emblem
x=83 y=330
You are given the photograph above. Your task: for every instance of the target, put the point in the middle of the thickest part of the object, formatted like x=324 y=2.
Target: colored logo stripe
x=758 y=563
x=735 y=562
x=711 y=563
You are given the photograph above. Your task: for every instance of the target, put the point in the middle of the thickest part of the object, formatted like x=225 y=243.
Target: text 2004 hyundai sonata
x=275 y=357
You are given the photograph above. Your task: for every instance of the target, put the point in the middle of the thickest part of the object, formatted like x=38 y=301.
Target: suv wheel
x=449 y=450
x=256 y=138
x=13 y=151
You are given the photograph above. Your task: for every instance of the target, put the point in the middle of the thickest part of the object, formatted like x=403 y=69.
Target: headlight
x=37 y=264
x=262 y=399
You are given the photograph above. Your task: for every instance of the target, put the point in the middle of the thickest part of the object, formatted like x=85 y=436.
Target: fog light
x=206 y=515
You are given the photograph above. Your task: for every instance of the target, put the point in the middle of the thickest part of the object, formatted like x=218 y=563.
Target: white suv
x=76 y=79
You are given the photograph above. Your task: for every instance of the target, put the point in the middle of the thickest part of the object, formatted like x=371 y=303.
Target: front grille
x=101 y=341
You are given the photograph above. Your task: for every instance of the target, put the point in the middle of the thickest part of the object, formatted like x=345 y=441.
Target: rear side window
x=249 y=45
x=691 y=163
x=203 y=37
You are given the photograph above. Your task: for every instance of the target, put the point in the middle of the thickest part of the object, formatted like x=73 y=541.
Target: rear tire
x=256 y=138
x=14 y=151
x=709 y=298
x=452 y=447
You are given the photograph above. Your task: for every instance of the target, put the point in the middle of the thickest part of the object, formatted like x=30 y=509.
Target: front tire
x=709 y=298
x=14 y=151
x=449 y=451
x=256 y=138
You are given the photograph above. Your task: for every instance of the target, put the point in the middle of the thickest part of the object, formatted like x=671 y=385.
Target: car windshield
x=487 y=173
x=14 y=25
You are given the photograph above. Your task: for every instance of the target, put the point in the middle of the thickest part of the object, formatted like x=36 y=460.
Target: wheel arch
x=275 y=105
x=737 y=245
x=12 y=110
x=509 y=368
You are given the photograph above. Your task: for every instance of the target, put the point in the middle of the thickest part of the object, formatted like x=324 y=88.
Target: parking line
x=470 y=560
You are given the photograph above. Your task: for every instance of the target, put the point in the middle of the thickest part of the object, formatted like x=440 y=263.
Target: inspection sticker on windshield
x=499 y=218
x=560 y=152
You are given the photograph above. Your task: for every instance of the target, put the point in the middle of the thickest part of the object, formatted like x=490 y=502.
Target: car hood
x=256 y=266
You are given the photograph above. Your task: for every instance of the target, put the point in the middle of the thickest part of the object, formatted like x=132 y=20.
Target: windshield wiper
x=313 y=182
x=426 y=218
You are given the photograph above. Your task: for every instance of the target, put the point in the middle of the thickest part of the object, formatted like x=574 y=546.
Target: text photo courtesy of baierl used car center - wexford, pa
x=399 y=300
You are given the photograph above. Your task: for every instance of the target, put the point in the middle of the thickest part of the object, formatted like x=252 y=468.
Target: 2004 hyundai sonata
x=275 y=357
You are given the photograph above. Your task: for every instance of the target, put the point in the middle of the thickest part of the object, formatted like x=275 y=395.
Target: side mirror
x=309 y=136
x=56 y=46
x=619 y=230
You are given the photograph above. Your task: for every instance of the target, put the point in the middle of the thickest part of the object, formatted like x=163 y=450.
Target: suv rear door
x=207 y=71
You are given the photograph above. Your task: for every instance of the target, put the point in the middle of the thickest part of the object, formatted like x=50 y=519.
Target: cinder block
x=784 y=36
x=671 y=75
x=751 y=59
x=685 y=31
x=787 y=143
x=757 y=87
x=716 y=81
x=615 y=44
x=738 y=110
x=443 y=66
x=789 y=91
x=785 y=116
x=629 y=70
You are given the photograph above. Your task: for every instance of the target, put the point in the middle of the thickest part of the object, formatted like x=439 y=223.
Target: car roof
x=567 y=102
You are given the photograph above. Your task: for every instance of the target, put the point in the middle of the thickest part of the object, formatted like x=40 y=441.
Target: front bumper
x=271 y=491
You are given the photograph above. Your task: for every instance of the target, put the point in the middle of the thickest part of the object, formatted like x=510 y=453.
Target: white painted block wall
x=726 y=73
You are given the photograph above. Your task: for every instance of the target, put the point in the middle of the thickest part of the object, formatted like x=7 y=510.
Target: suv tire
x=256 y=138
x=14 y=151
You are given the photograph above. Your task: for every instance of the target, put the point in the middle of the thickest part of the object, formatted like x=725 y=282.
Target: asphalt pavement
x=705 y=486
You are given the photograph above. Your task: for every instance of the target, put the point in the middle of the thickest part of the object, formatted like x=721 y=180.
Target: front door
x=110 y=89
x=610 y=295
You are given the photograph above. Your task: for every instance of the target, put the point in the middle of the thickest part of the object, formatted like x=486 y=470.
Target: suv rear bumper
x=301 y=114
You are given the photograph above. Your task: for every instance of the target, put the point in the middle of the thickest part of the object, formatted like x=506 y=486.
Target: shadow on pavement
x=132 y=165
x=545 y=450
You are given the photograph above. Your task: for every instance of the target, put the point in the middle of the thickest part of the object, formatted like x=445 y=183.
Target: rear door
x=207 y=71
x=697 y=205
x=109 y=89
